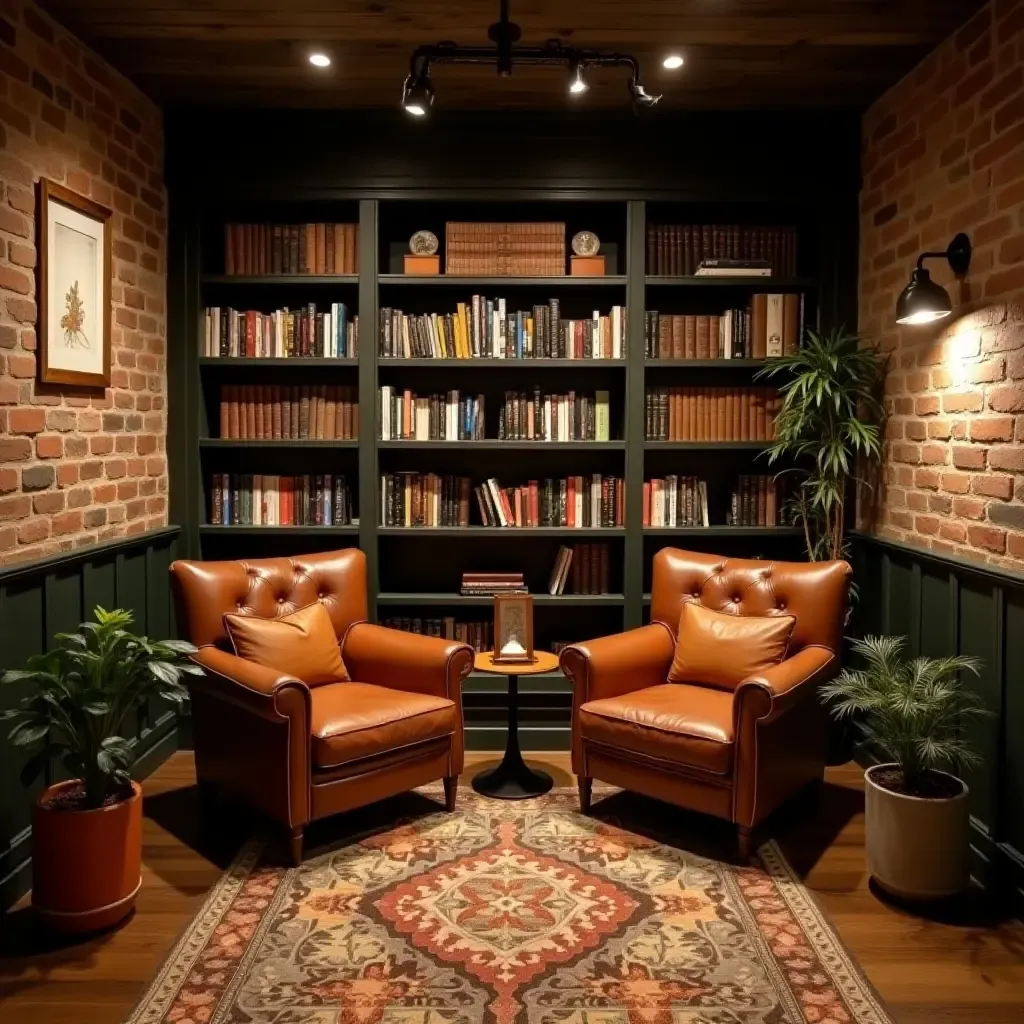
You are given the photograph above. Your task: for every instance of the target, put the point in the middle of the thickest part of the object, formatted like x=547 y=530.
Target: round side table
x=513 y=779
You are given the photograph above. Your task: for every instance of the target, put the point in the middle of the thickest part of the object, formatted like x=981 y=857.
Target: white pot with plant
x=913 y=712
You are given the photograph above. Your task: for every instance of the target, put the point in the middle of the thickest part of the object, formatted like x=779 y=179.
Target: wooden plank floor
x=956 y=966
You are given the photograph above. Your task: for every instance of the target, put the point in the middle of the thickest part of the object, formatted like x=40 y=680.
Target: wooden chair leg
x=295 y=846
x=451 y=789
x=744 y=841
x=586 y=786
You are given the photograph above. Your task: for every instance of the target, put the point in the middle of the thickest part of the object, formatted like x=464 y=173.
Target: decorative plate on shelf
x=423 y=243
x=585 y=243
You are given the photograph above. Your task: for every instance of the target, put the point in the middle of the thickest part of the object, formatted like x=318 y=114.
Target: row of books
x=406 y=416
x=770 y=326
x=290 y=248
x=710 y=414
x=675 y=500
x=679 y=249
x=485 y=328
x=274 y=411
x=757 y=500
x=480 y=584
x=479 y=635
x=584 y=567
x=250 y=334
x=539 y=417
x=505 y=249
x=255 y=499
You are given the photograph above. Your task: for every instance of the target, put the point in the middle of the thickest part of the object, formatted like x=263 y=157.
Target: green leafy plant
x=914 y=709
x=81 y=692
x=828 y=422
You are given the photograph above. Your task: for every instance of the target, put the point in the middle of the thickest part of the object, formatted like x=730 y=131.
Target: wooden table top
x=543 y=661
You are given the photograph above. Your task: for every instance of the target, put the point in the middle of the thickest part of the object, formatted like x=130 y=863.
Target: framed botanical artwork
x=513 y=629
x=74 y=288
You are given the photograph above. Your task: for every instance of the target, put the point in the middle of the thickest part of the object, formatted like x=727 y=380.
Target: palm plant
x=914 y=709
x=82 y=692
x=829 y=419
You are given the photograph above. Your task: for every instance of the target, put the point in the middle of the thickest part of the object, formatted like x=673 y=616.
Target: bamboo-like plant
x=914 y=709
x=829 y=420
x=81 y=692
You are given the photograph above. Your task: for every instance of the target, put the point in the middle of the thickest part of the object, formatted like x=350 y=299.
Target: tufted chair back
x=270 y=588
x=815 y=593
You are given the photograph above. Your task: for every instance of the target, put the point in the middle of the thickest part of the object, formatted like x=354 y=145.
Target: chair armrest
x=777 y=689
x=406 y=661
x=622 y=663
x=265 y=691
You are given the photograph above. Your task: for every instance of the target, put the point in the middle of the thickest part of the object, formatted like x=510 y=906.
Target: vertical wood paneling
x=99 y=585
x=935 y=630
x=1011 y=794
x=902 y=613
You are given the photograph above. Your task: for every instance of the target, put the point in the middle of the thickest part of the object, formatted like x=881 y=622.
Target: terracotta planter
x=916 y=847
x=86 y=865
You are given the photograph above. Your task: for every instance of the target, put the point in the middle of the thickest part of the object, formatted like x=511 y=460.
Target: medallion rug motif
x=509 y=913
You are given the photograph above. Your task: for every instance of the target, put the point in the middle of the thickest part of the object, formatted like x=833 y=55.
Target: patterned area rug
x=511 y=913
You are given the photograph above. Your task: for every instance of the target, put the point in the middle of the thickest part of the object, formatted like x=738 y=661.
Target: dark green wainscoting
x=53 y=595
x=947 y=605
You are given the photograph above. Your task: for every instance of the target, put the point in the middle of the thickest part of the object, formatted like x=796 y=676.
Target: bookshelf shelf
x=242 y=362
x=506 y=364
x=759 y=284
x=708 y=364
x=279 y=279
x=443 y=280
x=565 y=600
x=722 y=531
x=696 y=446
x=224 y=442
x=511 y=532
x=214 y=530
x=495 y=445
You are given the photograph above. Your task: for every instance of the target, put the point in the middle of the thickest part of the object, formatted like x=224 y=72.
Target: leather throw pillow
x=717 y=649
x=302 y=644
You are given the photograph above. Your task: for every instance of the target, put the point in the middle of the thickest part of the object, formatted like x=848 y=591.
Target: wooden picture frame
x=73 y=241
x=513 y=629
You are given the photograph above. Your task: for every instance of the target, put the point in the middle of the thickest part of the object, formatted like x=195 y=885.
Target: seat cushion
x=354 y=720
x=302 y=644
x=690 y=725
x=721 y=649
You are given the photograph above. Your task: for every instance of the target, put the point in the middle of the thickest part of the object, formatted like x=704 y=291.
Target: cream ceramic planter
x=916 y=847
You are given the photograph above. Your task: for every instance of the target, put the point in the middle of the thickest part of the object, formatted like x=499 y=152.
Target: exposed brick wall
x=943 y=151
x=78 y=466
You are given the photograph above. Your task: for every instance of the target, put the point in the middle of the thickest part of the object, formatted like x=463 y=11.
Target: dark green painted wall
x=950 y=606
x=54 y=595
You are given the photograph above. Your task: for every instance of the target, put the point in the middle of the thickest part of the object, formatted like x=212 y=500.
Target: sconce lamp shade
x=922 y=301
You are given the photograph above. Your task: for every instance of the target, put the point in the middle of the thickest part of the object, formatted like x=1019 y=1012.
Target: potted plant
x=87 y=831
x=828 y=423
x=914 y=711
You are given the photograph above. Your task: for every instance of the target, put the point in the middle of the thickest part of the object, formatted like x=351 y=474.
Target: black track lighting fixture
x=924 y=301
x=418 y=94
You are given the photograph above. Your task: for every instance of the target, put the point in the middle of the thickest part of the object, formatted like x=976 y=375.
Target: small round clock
x=423 y=243
x=585 y=243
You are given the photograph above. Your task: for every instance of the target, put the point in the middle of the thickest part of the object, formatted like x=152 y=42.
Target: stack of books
x=290 y=248
x=569 y=417
x=271 y=412
x=710 y=414
x=406 y=416
x=756 y=501
x=573 y=502
x=486 y=328
x=250 y=334
x=505 y=249
x=424 y=499
x=679 y=249
x=487 y=584
x=479 y=635
x=675 y=501
x=585 y=567
x=263 y=499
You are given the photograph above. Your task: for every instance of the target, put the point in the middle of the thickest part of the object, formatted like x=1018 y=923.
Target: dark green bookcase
x=416 y=572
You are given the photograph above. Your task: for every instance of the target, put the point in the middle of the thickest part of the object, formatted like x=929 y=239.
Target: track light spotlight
x=418 y=94
x=642 y=99
x=578 y=83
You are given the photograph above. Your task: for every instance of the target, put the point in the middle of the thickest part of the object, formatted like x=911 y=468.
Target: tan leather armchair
x=301 y=752
x=736 y=754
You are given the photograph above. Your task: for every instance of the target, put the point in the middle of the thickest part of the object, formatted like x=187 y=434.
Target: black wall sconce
x=923 y=301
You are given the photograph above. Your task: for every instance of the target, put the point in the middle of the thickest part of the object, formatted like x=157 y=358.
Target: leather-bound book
x=292 y=262
x=225 y=410
x=330 y=403
x=721 y=420
x=762 y=501
x=310 y=248
x=689 y=336
x=296 y=417
x=229 y=251
x=604 y=569
x=677 y=336
x=258 y=409
x=686 y=269
x=677 y=401
x=349 y=234
x=329 y=249
x=665 y=337
x=762 y=414
x=689 y=414
x=744 y=434
x=675 y=245
x=790 y=323
x=752 y=428
x=700 y=424
x=661 y=264
x=276 y=250
x=258 y=253
x=321 y=410
x=663 y=414
x=302 y=248
x=652 y=249
x=286 y=413
x=320 y=254
x=703 y=337
x=275 y=411
x=714 y=337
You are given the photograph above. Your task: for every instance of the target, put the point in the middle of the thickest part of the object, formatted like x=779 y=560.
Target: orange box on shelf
x=586 y=266
x=423 y=265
